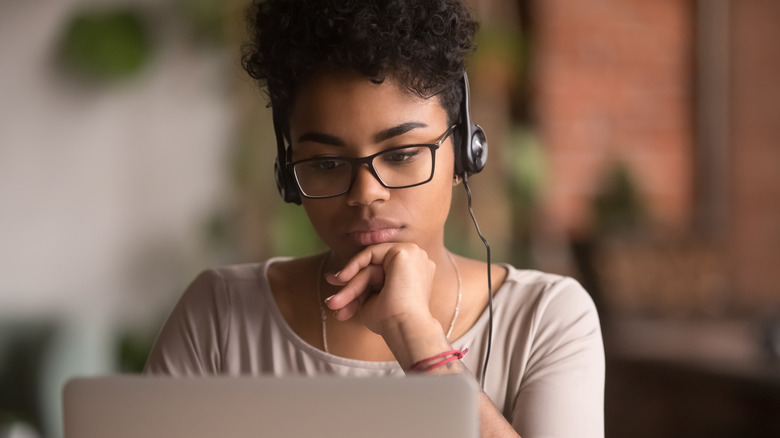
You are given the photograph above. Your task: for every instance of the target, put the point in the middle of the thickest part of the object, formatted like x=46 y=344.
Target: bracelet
x=429 y=364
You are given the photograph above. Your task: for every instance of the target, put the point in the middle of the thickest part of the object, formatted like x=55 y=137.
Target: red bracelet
x=425 y=365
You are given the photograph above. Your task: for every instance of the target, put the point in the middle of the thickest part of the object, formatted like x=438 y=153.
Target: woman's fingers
x=401 y=271
x=365 y=281
x=347 y=311
x=352 y=307
x=372 y=255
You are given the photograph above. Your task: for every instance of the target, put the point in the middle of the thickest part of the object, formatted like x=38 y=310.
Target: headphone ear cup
x=476 y=150
x=286 y=185
x=472 y=151
x=471 y=140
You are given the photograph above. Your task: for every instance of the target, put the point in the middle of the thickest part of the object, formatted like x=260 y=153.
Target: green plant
x=618 y=205
x=105 y=44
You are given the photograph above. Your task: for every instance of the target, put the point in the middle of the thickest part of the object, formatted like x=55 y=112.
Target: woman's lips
x=373 y=237
x=374 y=232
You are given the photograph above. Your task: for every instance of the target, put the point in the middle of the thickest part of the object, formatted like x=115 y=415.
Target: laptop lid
x=238 y=407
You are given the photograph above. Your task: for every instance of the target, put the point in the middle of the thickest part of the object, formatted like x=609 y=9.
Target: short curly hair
x=421 y=44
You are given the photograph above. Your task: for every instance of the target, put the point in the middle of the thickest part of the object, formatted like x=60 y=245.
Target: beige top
x=546 y=367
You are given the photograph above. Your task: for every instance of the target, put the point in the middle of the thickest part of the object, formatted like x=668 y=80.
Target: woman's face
x=340 y=114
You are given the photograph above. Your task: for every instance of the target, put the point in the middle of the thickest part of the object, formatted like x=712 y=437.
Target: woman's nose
x=366 y=188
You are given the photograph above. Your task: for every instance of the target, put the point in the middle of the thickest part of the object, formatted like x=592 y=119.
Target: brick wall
x=754 y=210
x=618 y=80
x=612 y=84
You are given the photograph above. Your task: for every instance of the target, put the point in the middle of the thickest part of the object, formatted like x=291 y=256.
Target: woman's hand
x=387 y=285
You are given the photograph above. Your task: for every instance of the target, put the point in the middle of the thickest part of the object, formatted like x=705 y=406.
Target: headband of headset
x=471 y=149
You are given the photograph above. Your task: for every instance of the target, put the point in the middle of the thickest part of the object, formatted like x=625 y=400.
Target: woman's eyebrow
x=395 y=131
x=319 y=137
x=381 y=136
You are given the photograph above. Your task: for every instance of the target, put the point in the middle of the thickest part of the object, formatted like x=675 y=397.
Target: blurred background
x=634 y=146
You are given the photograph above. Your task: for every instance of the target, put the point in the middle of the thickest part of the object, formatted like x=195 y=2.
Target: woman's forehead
x=352 y=101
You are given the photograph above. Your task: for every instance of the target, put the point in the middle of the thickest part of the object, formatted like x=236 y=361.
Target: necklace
x=460 y=295
x=324 y=318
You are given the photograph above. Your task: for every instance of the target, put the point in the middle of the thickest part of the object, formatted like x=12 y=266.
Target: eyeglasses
x=397 y=168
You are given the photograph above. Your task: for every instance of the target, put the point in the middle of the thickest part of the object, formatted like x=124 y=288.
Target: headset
x=470 y=158
x=285 y=180
x=471 y=152
x=471 y=147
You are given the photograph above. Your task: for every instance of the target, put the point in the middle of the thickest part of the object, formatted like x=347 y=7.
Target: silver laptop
x=238 y=407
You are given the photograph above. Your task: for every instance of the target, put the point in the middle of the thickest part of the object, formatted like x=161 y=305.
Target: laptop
x=239 y=407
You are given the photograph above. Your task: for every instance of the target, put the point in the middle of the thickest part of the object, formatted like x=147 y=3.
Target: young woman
x=368 y=102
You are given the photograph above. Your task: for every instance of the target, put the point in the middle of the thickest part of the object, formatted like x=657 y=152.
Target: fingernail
x=328 y=299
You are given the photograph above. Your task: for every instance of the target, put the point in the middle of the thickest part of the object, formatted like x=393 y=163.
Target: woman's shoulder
x=231 y=286
x=531 y=277
x=547 y=310
x=545 y=292
x=225 y=283
x=532 y=280
x=518 y=283
x=254 y=272
x=242 y=271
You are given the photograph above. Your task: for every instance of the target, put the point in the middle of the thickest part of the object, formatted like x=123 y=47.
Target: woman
x=370 y=116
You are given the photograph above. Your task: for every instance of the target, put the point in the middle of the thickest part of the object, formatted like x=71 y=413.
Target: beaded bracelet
x=429 y=364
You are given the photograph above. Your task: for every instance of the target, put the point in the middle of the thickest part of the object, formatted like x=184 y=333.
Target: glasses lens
x=405 y=167
x=324 y=177
x=396 y=168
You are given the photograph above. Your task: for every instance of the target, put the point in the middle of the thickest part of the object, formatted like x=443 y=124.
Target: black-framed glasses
x=396 y=168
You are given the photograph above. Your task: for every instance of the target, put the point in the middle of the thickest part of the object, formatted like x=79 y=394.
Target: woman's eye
x=400 y=156
x=321 y=165
x=328 y=164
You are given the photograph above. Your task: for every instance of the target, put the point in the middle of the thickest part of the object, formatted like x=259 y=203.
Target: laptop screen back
x=133 y=406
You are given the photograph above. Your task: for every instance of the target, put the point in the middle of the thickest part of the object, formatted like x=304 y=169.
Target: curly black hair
x=421 y=44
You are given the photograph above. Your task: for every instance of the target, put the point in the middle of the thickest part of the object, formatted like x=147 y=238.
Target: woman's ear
x=455 y=180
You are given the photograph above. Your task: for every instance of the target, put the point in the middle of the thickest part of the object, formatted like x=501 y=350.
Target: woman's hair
x=421 y=44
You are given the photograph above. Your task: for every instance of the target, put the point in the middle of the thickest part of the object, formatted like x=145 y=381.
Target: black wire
x=490 y=283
